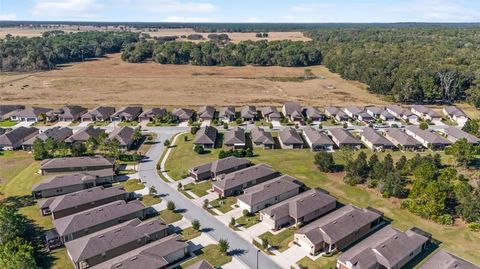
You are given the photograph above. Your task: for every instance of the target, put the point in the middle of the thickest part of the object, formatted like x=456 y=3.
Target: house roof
x=332 y=110
x=206 y=135
x=430 y=137
x=248 y=112
x=290 y=107
x=124 y=135
x=338 y=224
x=364 y=115
x=312 y=112
x=269 y=189
x=96 y=216
x=72 y=162
x=84 y=134
x=31 y=112
x=203 y=264
x=258 y=135
x=218 y=166
x=290 y=136
x=243 y=176
x=386 y=247
x=100 y=111
x=84 y=197
x=316 y=137
x=395 y=108
x=398 y=136
x=72 y=179
x=206 y=112
x=150 y=256
x=354 y=110
x=128 y=111
x=459 y=134
x=300 y=205
x=69 y=111
x=454 y=111
x=445 y=260
x=425 y=110
x=386 y=114
x=182 y=113
x=56 y=133
x=226 y=111
x=374 y=110
x=17 y=135
x=375 y=138
x=268 y=110
x=153 y=112
x=234 y=136
x=343 y=136
x=111 y=238
x=7 y=109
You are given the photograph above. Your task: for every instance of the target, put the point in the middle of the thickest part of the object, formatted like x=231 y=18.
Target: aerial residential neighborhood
x=239 y=134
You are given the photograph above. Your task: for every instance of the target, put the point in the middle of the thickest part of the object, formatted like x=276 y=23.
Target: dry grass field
x=114 y=82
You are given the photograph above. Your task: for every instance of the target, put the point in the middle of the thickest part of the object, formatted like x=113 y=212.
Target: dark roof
x=398 y=136
x=454 y=111
x=395 y=108
x=269 y=189
x=374 y=110
x=56 y=133
x=354 y=110
x=206 y=112
x=312 y=112
x=290 y=136
x=96 y=216
x=248 y=112
x=243 y=176
x=316 y=137
x=203 y=264
x=425 y=110
x=72 y=179
x=268 y=110
x=259 y=135
x=291 y=107
x=84 y=134
x=182 y=113
x=123 y=135
x=69 y=111
x=17 y=135
x=220 y=165
x=111 y=238
x=6 y=109
x=445 y=260
x=459 y=134
x=235 y=136
x=375 y=138
x=32 y=112
x=332 y=110
x=101 y=111
x=343 y=136
x=72 y=162
x=206 y=135
x=153 y=112
x=128 y=111
x=387 y=247
x=430 y=137
x=226 y=111
x=300 y=205
x=150 y=256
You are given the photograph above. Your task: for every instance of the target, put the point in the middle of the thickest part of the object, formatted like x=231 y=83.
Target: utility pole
x=257 y=257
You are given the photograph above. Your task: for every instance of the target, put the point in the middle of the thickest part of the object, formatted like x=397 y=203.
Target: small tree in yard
x=179 y=186
x=423 y=126
x=238 y=121
x=196 y=225
x=232 y=221
x=166 y=143
x=185 y=138
x=270 y=126
x=171 y=206
x=225 y=126
x=324 y=161
x=199 y=149
x=223 y=245
x=264 y=243
x=205 y=203
x=194 y=130
x=246 y=213
x=345 y=125
x=152 y=190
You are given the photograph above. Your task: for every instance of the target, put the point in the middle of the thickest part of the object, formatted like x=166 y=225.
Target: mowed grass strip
x=149 y=200
x=189 y=233
x=133 y=185
x=248 y=221
x=224 y=205
x=210 y=253
x=170 y=216
x=320 y=263
x=199 y=189
x=280 y=240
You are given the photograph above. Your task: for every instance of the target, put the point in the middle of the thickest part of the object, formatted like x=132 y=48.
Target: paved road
x=244 y=250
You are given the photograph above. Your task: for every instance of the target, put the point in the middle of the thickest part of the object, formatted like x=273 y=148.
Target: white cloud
x=176 y=6
x=85 y=9
x=186 y=19
x=253 y=19
x=8 y=17
x=311 y=7
x=441 y=10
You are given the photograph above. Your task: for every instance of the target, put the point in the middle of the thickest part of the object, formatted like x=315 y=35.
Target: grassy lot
x=189 y=233
x=149 y=200
x=279 y=241
x=211 y=254
x=170 y=216
x=128 y=123
x=224 y=205
x=248 y=221
x=199 y=189
x=150 y=124
x=320 y=263
x=133 y=185
x=74 y=123
x=7 y=123
x=100 y=123
x=147 y=143
x=61 y=259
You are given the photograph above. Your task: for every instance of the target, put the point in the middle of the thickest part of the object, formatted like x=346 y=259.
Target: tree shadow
x=237 y=252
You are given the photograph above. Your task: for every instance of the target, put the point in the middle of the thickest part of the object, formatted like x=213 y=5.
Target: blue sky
x=243 y=10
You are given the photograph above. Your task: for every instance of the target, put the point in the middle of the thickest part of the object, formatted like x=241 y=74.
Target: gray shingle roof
x=240 y=177
x=454 y=111
x=8 y=109
x=258 y=135
x=69 y=111
x=375 y=138
x=430 y=137
x=343 y=136
x=182 y=113
x=206 y=135
x=235 y=136
x=71 y=179
x=128 y=111
x=123 y=135
x=218 y=166
x=459 y=134
x=56 y=133
x=375 y=110
x=398 y=136
x=445 y=260
x=353 y=110
x=425 y=110
x=226 y=112
x=17 y=135
x=153 y=112
x=84 y=161
x=84 y=134
x=312 y=112
x=32 y=112
x=290 y=136
x=316 y=137
x=206 y=112
x=248 y=112
x=332 y=110
x=291 y=107
x=103 y=112
x=268 y=110
x=203 y=264
x=269 y=189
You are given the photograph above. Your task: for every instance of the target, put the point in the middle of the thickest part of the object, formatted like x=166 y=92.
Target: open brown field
x=114 y=82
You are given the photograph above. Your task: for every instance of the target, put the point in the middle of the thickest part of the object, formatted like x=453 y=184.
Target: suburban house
x=374 y=111
x=401 y=113
x=7 y=110
x=317 y=140
x=234 y=183
x=352 y=111
x=75 y=202
x=218 y=167
x=313 y=114
x=386 y=248
x=456 y=114
x=269 y=193
x=75 y=164
x=203 y=264
x=289 y=138
x=31 y=114
x=206 y=137
x=14 y=139
x=365 y=117
x=158 y=254
x=2 y=131
x=100 y=113
x=248 y=113
x=338 y=229
x=66 y=113
x=343 y=138
x=425 y=113
x=124 y=135
x=402 y=140
x=93 y=249
x=375 y=141
x=235 y=138
x=96 y=219
x=262 y=138
x=227 y=114
x=303 y=208
x=57 y=134
x=84 y=134
x=183 y=114
x=427 y=138
x=387 y=116
x=454 y=134
x=292 y=111
x=129 y=113
x=152 y=114
x=336 y=114
x=206 y=113
x=445 y=260
x=270 y=113
x=68 y=183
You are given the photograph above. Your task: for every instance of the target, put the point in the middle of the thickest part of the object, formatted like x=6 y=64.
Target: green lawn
x=224 y=205
x=133 y=185
x=281 y=240
x=8 y=123
x=149 y=200
x=61 y=259
x=199 y=189
x=74 y=123
x=100 y=123
x=248 y=221
x=211 y=254
x=189 y=233
x=128 y=123
x=170 y=216
x=320 y=263
x=151 y=124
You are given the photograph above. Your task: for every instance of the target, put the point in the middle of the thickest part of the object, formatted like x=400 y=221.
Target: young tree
x=232 y=221
x=78 y=149
x=39 y=151
x=171 y=206
x=225 y=126
x=249 y=152
x=205 y=203
x=199 y=149
x=196 y=225
x=152 y=190
x=137 y=135
x=463 y=151
x=194 y=130
x=185 y=138
x=17 y=253
x=179 y=186
x=357 y=170
x=50 y=146
x=166 y=143
x=91 y=145
x=324 y=161
x=223 y=245
x=472 y=126
x=423 y=126
x=264 y=243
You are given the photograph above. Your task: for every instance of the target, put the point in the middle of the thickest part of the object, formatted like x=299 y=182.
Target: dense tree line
x=426 y=64
x=264 y=53
x=57 y=47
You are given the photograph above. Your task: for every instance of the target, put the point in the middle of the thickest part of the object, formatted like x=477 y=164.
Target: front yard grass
x=199 y=189
x=189 y=233
x=210 y=253
x=74 y=123
x=100 y=123
x=149 y=200
x=248 y=221
x=8 y=123
x=132 y=185
x=128 y=123
x=170 y=216
x=320 y=263
x=281 y=240
x=224 y=205
x=61 y=259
